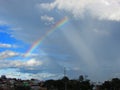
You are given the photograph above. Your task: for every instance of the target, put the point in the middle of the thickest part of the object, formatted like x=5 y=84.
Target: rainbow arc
x=55 y=27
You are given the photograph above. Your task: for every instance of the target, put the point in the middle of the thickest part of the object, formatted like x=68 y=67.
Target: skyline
x=39 y=38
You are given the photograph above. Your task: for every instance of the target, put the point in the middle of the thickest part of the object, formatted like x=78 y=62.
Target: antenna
x=64 y=71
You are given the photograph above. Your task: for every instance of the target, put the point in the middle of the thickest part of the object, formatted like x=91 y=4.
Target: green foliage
x=21 y=87
x=81 y=78
x=65 y=79
x=65 y=82
x=114 y=84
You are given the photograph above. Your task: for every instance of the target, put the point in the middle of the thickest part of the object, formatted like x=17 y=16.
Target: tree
x=65 y=79
x=114 y=84
x=3 y=77
x=81 y=78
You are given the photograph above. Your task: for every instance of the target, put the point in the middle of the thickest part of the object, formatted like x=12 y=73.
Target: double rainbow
x=57 y=25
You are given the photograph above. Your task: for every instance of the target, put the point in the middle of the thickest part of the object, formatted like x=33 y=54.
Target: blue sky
x=88 y=44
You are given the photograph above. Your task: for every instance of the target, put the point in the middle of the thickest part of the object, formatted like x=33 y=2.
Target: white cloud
x=16 y=74
x=101 y=32
x=8 y=54
x=42 y=76
x=47 y=6
x=20 y=64
x=102 y=9
x=33 y=62
x=29 y=63
x=47 y=18
x=4 y=45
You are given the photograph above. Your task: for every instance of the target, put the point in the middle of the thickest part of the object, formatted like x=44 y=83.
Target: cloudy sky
x=88 y=43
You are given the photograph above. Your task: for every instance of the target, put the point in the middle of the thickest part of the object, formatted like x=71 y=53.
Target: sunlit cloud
x=4 y=45
x=40 y=76
x=103 y=9
x=47 y=18
x=29 y=63
x=8 y=54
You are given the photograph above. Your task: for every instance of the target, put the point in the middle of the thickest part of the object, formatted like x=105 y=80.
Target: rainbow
x=57 y=25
